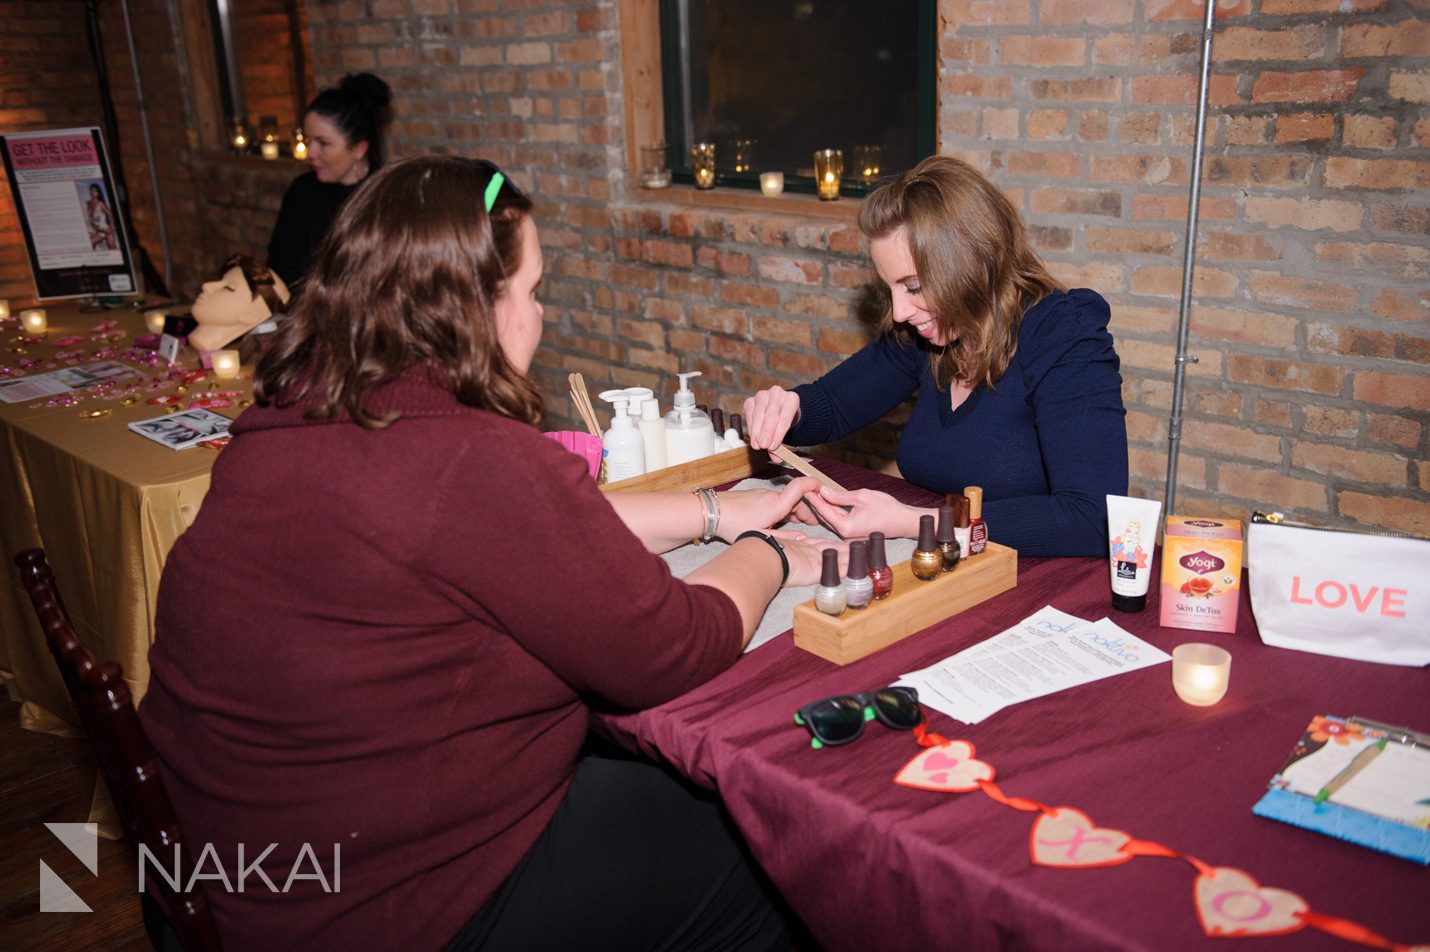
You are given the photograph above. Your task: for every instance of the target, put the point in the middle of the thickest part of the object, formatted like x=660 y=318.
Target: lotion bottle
x=652 y=429
x=622 y=449
x=688 y=432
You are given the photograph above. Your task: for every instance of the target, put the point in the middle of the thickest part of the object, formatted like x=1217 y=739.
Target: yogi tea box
x=1201 y=573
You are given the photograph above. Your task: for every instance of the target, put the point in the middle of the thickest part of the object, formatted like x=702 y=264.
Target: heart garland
x=1229 y=901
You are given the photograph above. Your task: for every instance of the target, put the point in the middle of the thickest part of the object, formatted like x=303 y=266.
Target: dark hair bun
x=367 y=87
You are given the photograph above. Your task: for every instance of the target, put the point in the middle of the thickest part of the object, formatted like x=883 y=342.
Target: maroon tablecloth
x=868 y=864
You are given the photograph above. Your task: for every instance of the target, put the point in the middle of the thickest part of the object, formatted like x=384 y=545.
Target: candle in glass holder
x=772 y=183
x=654 y=172
x=225 y=363
x=1200 y=673
x=238 y=136
x=269 y=149
x=34 y=320
x=300 y=145
x=868 y=161
x=702 y=163
x=744 y=155
x=828 y=167
x=154 y=320
x=4 y=309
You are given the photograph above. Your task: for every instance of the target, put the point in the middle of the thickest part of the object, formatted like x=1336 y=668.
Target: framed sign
x=64 y=195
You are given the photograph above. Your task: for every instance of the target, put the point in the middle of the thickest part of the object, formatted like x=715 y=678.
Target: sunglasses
x=839 y=720
x=495 y=184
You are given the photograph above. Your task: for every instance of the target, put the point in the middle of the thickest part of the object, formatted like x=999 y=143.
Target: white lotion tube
x=1132 y=536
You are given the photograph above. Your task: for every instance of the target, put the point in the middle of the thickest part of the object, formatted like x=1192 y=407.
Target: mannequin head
x=245 y=295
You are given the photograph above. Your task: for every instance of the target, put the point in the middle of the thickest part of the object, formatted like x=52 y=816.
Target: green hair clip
x=493 y=187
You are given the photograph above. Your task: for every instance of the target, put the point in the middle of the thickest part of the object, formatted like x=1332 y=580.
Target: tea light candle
x=702 y=163
x=35 y=321
x=269 y=149
x=4 y=309
x=828 y=167
x=300 y=146
x=154 y=320
x=1200 y=673
x=772 y=183
x=225 y=363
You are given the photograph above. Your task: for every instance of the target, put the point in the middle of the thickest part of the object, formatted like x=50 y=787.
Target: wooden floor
x=51 y=779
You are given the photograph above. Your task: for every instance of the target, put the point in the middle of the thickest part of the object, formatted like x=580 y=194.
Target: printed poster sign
x=64 y=194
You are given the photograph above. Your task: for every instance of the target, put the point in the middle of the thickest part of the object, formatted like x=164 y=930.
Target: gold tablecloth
x=105 y=503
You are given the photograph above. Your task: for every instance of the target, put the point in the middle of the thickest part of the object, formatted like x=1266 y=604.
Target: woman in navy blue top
x=1017 y=379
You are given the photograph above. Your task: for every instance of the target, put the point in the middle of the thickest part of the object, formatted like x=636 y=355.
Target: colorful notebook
x=1360 y=781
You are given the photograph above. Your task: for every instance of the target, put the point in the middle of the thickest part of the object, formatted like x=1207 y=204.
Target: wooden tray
x=727 y=467
x=912 y=606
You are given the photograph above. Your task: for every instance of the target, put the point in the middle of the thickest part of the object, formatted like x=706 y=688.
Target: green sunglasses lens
x=836 y=720
x=898 y=707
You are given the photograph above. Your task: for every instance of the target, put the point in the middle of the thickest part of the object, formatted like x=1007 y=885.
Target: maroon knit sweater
x=384 y=640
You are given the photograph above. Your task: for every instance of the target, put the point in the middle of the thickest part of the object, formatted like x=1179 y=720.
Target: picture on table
x=181 y=430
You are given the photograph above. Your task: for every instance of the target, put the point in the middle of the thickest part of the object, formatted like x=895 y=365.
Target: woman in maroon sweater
x=376 y=645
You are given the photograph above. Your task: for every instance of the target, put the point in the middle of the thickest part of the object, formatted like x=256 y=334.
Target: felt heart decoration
x=1068 y=837
x=1230 y=903
x=948 y=768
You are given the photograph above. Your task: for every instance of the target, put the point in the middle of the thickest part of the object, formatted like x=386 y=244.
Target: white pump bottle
x=622 y=448
x=689 y=433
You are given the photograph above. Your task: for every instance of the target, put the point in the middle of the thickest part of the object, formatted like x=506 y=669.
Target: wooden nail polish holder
x=717 y=470
x=911 y=607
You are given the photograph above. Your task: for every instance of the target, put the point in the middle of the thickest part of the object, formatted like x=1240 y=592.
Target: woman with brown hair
x=377 y=646
x=1017 y=379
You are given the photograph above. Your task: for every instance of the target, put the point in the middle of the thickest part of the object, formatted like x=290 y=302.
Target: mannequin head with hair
x=242 y=297
x=432 y=263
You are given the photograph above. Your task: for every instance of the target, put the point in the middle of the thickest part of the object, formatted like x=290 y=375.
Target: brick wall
x=1311 y=393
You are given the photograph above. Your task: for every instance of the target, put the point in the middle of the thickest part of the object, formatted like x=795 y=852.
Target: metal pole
x=149 y=150
x=1174 y=430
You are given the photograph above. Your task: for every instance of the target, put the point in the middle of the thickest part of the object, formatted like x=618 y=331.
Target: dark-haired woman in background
x=344 y=128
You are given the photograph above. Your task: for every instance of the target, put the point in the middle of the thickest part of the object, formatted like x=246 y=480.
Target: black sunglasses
x=839 y=720
x=495 y=184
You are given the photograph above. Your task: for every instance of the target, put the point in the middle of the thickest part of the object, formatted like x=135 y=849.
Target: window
x=263 y=75
x=769 y=82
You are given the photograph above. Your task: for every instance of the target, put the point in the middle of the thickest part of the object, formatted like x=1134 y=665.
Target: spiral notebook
x=1358 y=780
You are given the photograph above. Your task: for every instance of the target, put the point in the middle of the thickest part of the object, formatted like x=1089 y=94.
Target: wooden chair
x=126 y=760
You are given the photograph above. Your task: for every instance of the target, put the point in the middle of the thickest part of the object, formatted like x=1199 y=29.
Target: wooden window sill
x=846 y=209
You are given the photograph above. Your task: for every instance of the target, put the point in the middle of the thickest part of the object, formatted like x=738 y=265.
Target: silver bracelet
x=710 y=507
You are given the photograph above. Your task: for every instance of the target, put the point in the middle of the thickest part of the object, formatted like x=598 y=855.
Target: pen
x=1357 y=764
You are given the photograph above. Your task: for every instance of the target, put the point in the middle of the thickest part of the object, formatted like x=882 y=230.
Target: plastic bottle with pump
x=689 y=434
x=622 y=449
x=652 y=429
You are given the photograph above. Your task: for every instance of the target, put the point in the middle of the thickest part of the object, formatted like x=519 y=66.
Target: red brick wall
x=1311 y=394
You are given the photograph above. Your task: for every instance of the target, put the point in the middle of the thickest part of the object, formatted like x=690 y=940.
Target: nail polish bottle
x=737 y=421
x=977 y=528
x=927 y=560
x=947 y=538
x=829 y=597
x=879 y=572
x=961 y=530
x=857 y=585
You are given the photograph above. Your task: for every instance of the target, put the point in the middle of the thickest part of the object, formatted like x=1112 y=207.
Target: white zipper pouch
x=1347 y=594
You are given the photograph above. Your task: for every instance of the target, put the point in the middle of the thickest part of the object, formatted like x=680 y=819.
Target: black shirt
x=308 y=209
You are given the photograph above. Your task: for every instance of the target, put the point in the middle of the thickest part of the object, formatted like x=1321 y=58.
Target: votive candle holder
x=828 y=170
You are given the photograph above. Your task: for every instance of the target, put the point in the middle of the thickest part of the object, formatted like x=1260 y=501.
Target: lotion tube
x=1132 y=535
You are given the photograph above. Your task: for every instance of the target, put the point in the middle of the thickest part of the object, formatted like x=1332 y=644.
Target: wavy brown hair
x=977 y=269
x=260 y=280
x=407 y=277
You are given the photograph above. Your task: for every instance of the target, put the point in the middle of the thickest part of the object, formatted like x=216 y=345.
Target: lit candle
x=225 y=363
x=300 y=146
x=828 y=167
x=4 y=309
x=269 y=149
x=772 y=183
x=702 y=163
x=1200 y=673
x=154 y=320
x=35 y=321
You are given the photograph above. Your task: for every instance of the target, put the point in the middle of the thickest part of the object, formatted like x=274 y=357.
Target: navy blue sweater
x=1047 y=443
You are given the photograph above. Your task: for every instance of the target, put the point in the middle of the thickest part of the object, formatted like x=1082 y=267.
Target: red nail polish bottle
x=879 y=571
x=977 y=528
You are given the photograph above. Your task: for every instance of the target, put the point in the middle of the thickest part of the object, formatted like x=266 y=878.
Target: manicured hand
x=856 y=514
x=806 y=556
x=745 y=509
x=768 y=416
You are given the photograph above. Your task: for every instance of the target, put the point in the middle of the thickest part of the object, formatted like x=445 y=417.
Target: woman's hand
x=868 y=511
x=745 y=509
x=806 y=557
x=768 y=416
